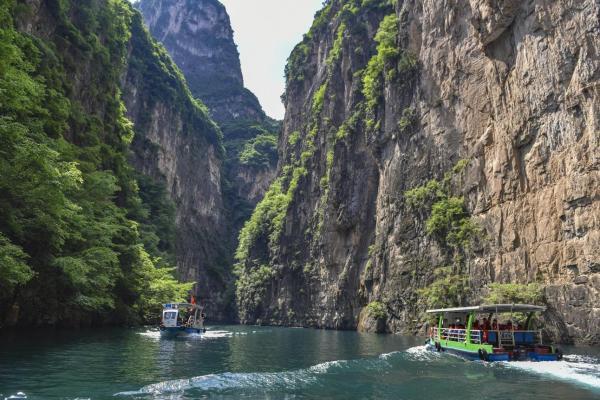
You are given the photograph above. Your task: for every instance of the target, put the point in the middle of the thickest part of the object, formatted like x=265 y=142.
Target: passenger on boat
x=495 y=324
x=486 y=324
x=520 y=327
x=476 y=325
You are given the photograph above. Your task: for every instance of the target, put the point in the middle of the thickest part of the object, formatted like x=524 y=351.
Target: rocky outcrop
x=495 y=103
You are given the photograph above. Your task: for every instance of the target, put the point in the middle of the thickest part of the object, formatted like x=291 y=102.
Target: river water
x=241 y=362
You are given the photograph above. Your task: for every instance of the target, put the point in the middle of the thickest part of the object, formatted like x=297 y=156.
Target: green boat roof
x=491 y=308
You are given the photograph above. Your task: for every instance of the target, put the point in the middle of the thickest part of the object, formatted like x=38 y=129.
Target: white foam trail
x=585 y=370
x=216 y=334
x=19 y=395
x=229 y=380
x=386 y=356
x=324 y=367
x=153 y=334
x=421 y=353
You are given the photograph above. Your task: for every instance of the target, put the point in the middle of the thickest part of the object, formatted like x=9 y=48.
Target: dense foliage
x=260 y=151
x=512 y=293
x=71 y=216
x=449 y=288
x=376 y=310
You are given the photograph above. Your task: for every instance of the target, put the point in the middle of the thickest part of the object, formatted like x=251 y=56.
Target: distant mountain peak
x=199 y=37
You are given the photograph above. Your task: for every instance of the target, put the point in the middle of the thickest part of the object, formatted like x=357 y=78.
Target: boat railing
x=503 y=338
x=455 y=335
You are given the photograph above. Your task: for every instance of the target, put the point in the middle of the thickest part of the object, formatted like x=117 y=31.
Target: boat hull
x=179 y=331
x=476 y=352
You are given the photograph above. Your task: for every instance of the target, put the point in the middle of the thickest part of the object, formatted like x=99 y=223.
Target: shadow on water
x=230 y=362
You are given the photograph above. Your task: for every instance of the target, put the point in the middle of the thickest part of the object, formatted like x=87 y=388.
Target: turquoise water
x=237 y=362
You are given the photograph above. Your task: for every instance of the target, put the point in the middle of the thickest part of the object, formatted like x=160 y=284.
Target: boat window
x=170 y=315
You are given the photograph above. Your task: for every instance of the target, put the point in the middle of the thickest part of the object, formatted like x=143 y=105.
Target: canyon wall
x=178 y=145
x=433 y=152
x=90 y=238
x=199 y=38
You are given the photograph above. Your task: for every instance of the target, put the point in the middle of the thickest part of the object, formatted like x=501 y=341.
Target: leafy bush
x=450 y=221
x=387 y=51
x=460 y=166
x=14 y=270
x=294 y=68
x=421 y=196
x=376 y=310
x=510 y=293
x=408 y=119
x=294 y=138
x=318 y=99
x=260 y=151
x=447 y=290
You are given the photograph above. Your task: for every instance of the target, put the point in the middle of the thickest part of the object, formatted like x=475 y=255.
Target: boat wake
x=209 y=334
x=247 y=381
x=582 y=370
x=282 y=381
x=573 y=368
x=19 y=395
x=216 y=334
x=150 y=333
x=422 y=353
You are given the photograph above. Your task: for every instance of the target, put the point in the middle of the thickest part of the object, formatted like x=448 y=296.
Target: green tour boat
x=475 y=333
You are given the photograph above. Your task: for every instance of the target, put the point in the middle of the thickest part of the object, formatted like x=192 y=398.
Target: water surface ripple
x=232 y=362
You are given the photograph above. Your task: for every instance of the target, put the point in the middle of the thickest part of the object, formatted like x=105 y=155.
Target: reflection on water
x=260 y=362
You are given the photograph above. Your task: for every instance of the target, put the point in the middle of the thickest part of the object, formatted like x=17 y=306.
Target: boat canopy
x=179 y=305
x=491 y=308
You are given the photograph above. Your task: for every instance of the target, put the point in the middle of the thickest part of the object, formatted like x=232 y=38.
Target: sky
x=266 y=31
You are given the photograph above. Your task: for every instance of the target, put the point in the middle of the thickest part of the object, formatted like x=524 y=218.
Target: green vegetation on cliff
x=387 y=52
x=449 y=222
x=162 y=81
x=71 y=213
x=512 y=293
x=376 y=310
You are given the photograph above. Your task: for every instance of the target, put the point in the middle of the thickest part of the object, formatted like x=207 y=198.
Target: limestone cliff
x=178 y=145
x=199 y=38
x=433 y=147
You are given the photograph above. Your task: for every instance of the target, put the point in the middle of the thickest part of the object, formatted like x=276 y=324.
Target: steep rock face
x=199 y=37
x=495 y=104
x=178 y=145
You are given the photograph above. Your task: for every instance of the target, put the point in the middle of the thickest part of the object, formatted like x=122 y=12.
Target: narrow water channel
x=233 y=362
